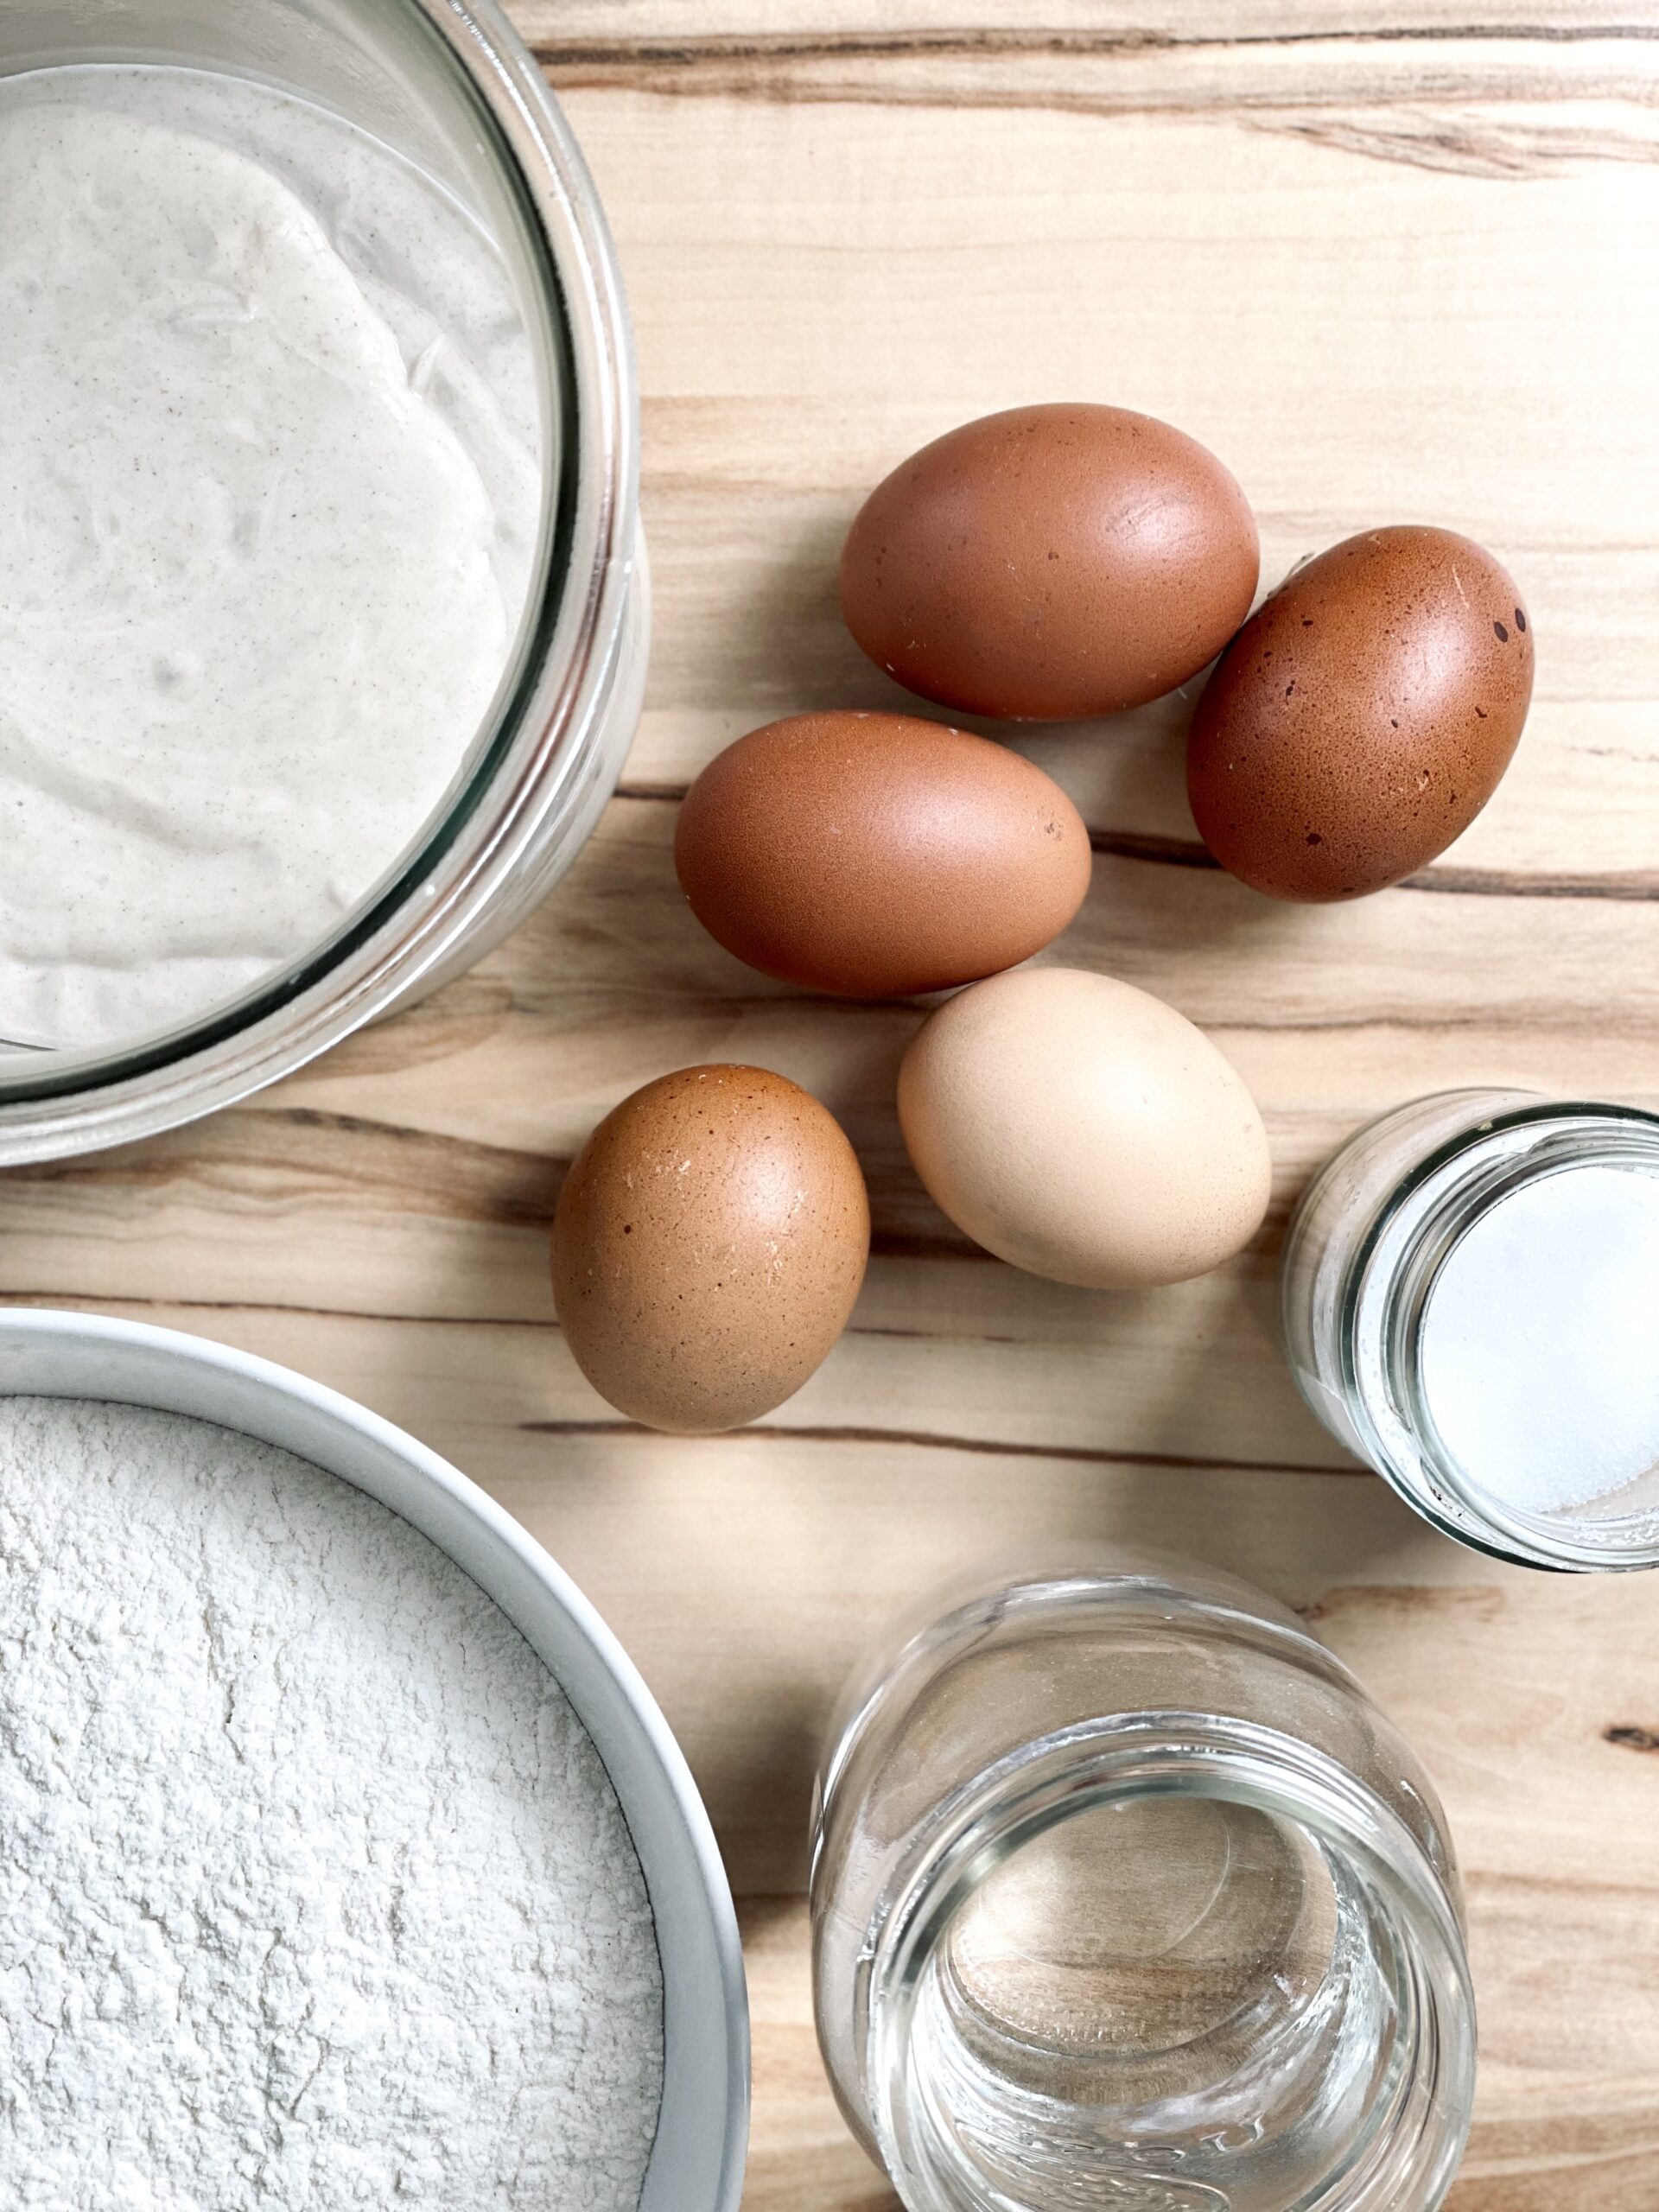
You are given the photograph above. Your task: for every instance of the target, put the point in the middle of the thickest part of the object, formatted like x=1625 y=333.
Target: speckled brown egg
x=879 y=854
x=708 y=1244
x=1050 y=562
x=1363 y=718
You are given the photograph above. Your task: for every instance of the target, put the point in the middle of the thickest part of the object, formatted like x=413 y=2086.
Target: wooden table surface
x=1388 y=274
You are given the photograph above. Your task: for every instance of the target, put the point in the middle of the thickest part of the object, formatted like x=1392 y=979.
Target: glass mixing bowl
x=451 y=89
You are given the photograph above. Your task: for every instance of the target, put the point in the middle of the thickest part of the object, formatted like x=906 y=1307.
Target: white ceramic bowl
x=697 y=2163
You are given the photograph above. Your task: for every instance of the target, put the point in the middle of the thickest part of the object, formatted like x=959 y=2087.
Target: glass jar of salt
x=1469 y=1305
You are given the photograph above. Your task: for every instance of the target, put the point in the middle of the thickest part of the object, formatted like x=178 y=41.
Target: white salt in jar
x=1469 y=1304
x=322 y=600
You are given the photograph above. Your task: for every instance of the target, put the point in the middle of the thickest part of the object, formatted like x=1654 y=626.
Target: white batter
x=265 y=534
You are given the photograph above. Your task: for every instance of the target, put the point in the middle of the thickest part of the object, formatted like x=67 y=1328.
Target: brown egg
x=876 y=855
x=1083 y=1130
x=1051 y=562
x=1362 y=719
x=708 y=1244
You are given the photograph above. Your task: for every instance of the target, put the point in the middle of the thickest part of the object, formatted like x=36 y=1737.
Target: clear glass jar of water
x=1124 y=1894
x=1468 y=1307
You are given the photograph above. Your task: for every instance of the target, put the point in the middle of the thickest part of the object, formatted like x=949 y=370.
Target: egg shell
x=1082 y=1130
x=1363 y=716
x=1051 y=563
x=708 y=1246
x=875 y=855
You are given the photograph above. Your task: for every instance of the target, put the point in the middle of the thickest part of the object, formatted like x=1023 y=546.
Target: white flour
x=314 y=1892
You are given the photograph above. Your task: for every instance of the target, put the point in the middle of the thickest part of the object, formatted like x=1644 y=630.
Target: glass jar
x=452 y=90
x=1467 y=1302
x=1123 y=1893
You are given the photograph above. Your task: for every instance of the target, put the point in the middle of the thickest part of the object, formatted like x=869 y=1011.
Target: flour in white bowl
x=313 y=1891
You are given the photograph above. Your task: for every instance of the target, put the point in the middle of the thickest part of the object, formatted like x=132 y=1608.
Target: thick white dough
x=251 y=607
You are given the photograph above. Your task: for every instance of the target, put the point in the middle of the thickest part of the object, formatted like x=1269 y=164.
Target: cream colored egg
x=1083 y=1130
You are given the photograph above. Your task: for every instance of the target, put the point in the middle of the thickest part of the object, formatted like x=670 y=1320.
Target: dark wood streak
x=1156 y=852
x=671 y=53
x=81 y=1301
x=1630 y=1738
x=899 y=1244
x=652 y=794
x=547 y=1324
x=932 y=1336
x=1481 y=1601
x=1639 y=886
x=1460 y=148
x=418 y=1171
x=881 y=69
x=1633 y=887
x=928 y=1440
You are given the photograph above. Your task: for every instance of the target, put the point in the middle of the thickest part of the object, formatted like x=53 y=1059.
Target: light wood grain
x=1389 y=271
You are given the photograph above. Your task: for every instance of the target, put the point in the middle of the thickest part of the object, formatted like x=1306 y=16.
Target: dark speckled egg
x=1363 y=716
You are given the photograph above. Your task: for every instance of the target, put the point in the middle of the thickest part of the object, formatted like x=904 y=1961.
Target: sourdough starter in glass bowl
x=320 y=595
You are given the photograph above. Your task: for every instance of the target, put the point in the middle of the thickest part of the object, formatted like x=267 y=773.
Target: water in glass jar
x=1172 y=2004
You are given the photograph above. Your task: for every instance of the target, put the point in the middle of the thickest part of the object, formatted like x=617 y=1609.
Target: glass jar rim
x=1121 y=1759
x=544 y=727
x=1037 y=1585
